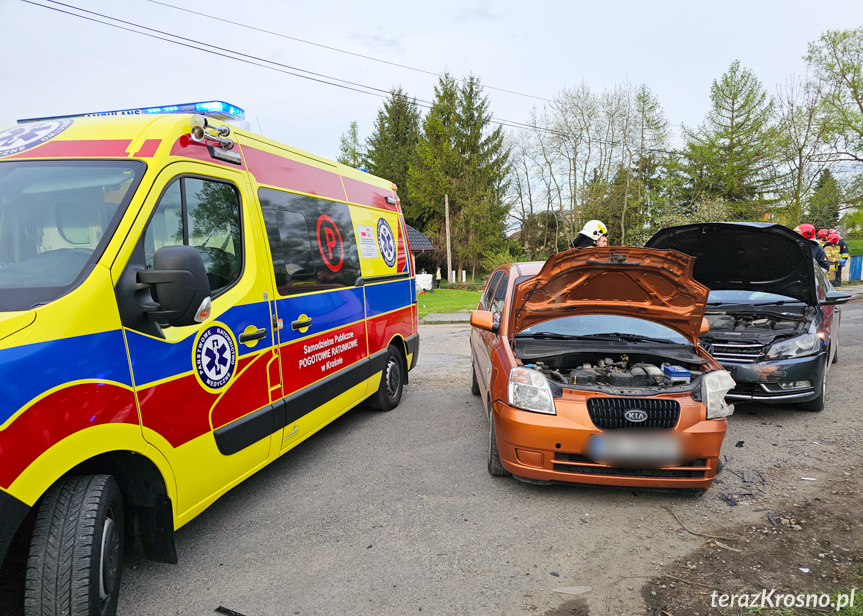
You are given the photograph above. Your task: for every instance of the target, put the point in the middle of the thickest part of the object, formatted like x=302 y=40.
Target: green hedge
x=855 y=247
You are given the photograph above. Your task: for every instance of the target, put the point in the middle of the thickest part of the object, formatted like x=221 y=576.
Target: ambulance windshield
x=55 y=219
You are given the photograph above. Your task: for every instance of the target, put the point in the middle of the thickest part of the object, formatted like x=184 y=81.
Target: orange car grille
x=691 y=470
x=609 y=413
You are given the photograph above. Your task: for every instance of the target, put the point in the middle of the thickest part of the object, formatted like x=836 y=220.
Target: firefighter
x=808 y=231
x=831 y=249
x=843 y=248
x=842 y=255
x=822 y=236
x=589 y=235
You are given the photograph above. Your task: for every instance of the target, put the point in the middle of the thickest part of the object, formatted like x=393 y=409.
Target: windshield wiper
x=632 y=337
x=549 y=336
x=607 y=337
x=765 y=302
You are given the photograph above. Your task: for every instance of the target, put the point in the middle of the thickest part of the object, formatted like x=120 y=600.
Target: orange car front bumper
x=555 y=448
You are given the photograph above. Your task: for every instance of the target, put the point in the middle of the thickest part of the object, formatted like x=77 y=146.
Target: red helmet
x=806 y=230
x=823 y=233
x=834 y=231
x=833 y=238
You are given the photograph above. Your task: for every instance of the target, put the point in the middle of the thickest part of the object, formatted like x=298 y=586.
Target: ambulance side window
x=311 y=241
x=204 y=214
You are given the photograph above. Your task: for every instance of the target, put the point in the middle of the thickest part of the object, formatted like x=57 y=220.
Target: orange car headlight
x=529 y=390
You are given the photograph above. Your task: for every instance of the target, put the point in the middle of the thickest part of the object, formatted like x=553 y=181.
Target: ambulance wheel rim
x=393 y=377
x=109 y=558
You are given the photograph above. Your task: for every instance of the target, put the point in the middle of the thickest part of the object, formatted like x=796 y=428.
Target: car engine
x=605 y=372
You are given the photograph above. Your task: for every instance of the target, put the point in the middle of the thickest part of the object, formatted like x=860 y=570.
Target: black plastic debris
x=729 y=500
x=739 y=444
x=227 y=611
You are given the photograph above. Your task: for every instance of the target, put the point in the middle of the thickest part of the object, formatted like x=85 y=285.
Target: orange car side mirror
x=705 y=326
x=483 y=319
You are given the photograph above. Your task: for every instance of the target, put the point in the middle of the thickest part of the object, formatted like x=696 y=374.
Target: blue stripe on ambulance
x=27 y=371
x=327 y=310
x=154 y=359
x=388 y=296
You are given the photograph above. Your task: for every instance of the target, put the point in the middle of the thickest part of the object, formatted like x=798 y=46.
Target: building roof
x=418 y=241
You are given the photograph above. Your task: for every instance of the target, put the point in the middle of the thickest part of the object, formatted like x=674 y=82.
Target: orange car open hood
x=645 y=283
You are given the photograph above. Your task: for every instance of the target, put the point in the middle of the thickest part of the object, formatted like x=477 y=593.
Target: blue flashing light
x=218 y=110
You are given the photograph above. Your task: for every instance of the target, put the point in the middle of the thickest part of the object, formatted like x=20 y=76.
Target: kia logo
x=635 y=415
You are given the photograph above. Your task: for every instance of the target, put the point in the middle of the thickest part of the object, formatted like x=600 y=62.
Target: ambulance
x=182 y=301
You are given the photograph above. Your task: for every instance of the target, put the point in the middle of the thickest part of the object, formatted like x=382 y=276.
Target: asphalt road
x=395 y=513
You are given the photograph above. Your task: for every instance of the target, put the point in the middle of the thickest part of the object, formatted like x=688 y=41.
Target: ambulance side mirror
x=180 y=286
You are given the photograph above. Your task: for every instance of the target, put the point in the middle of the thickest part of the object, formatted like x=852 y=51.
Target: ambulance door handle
x=255 y=335
x=295 y=325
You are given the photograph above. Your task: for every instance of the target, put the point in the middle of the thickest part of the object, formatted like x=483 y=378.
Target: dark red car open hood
x=645 y=283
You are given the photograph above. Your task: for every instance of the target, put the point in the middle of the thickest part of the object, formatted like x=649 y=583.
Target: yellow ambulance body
x=181 y=302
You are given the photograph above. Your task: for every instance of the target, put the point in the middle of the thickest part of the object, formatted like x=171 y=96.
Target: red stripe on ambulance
x=382 y=328
x=368 y=194
x=77 y=148
x=179 y=410
x=311 y=359
x=57 y=416
x=251 y=395
x=148 y=148
x=293 y=175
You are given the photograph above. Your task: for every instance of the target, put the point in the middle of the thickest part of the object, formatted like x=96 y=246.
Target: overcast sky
x=55 y=63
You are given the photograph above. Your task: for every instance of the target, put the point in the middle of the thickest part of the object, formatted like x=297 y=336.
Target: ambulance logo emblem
x=26 y=136
x=215 y=357
x=386 y=242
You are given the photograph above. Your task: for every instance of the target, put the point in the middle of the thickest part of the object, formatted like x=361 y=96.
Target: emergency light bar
x=218 y=110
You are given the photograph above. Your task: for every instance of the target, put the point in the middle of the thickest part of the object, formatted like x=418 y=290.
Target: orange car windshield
x=604 y=325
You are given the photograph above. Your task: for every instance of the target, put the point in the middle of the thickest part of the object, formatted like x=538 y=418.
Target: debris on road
x=572 y=590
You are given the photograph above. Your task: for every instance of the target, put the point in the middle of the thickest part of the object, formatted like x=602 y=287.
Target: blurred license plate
x=635 y=449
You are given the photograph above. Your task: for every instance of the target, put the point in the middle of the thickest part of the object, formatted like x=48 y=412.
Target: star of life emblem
x=215 y=357
x=386 y=242
x=20 y=138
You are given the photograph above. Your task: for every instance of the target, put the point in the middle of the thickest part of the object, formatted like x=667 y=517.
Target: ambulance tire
x=76 y=554
x=392 y=382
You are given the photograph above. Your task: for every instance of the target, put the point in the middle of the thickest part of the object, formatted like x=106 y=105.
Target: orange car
x=590 y=371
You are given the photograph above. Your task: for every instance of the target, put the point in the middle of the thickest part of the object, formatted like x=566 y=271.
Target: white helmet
x=594 y=229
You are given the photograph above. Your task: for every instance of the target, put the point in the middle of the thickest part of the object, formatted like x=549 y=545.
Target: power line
x=317 y=77
x=321 y=78
x=344 y=51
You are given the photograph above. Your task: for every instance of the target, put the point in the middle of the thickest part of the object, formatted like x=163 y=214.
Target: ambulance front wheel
x=392 y=381
x=76 y=554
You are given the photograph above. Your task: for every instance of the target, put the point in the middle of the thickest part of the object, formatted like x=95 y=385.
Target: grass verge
x=447 y=300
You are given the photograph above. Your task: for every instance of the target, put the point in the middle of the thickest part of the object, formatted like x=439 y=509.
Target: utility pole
x=448 y=251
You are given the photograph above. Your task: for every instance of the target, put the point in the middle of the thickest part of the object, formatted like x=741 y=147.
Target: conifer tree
x=824 y=203
x=351 y=152
x=392 y=145
x=461 y=156
x=729 y=153
x=435 y=167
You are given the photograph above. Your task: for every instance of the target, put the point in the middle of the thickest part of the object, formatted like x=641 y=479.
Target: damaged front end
x=774 y=355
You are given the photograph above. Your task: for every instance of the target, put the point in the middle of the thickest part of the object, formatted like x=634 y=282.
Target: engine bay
x=623 y=372
x=761 y=327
